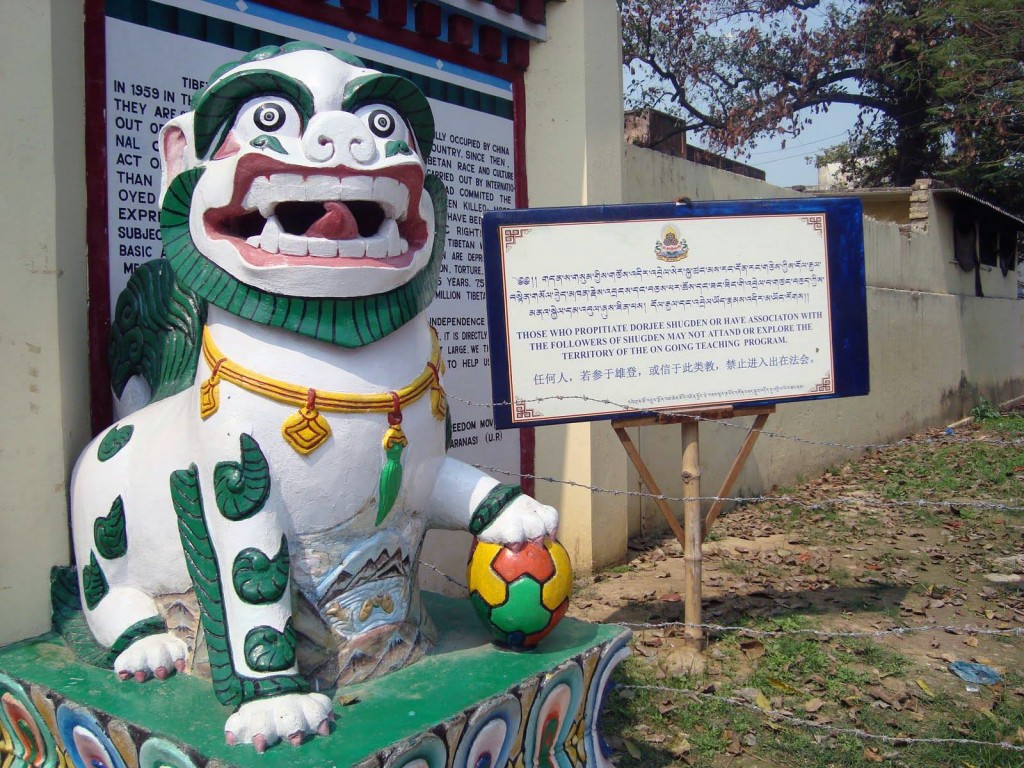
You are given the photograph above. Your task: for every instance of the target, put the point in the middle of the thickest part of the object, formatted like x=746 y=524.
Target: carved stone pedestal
x=465 y=702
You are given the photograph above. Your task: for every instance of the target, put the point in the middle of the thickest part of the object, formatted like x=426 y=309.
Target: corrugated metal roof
x=936 y=188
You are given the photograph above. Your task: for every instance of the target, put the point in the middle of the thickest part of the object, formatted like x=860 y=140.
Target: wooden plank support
x=648 y=480
x=694 y=530
x=737 y=466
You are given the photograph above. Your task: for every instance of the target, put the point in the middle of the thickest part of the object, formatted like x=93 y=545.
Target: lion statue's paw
x=292 y=716
x=153 y=656
x=525 y=519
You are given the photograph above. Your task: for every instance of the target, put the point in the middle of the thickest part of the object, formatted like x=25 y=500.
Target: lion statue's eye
x=269 y=116
x=386 y=124
x=382 y=123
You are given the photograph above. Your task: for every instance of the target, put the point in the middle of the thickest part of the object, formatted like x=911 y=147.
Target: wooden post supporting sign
x=692 y=525
x=694 y=530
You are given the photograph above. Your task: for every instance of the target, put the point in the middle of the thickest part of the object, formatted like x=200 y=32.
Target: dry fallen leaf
x=680 y=746
x=988 y=713
x=870 y=753
x=666 y=706
x=734 y=747
x=633 y=749
x=925 y=687
x=774 y=682
x=813 y=705
x=752 y=649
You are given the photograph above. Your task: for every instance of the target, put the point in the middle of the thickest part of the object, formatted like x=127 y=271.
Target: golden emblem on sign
x=671 y=247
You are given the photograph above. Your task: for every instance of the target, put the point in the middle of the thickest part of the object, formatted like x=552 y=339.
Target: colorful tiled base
x=465 y=705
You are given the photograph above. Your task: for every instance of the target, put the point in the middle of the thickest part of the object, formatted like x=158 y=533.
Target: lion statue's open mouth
x=285 y=215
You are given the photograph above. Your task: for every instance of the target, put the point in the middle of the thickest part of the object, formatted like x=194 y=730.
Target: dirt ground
x=841 y=557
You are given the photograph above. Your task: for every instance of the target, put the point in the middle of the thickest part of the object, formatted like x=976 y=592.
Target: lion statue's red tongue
x=337 y=223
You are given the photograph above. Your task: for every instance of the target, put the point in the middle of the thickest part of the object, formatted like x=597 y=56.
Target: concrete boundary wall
x=43 y=354
x=935 y=348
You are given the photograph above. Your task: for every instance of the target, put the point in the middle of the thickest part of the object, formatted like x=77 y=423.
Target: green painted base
x=468 y=703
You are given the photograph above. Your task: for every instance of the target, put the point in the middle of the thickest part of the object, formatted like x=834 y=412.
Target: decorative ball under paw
x=520 y=593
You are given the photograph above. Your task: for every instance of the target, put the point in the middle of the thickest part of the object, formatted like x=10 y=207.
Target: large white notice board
x=600 y=311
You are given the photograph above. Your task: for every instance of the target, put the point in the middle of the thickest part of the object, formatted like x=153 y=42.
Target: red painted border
x=406 y=38
x=101 y=405
x=527 y=435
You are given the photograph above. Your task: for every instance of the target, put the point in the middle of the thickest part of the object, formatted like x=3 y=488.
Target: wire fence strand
x=966 y=629
x=949 y=436
x=860 y=501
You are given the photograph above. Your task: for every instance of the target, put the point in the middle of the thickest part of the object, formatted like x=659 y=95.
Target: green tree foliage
x=939 y=84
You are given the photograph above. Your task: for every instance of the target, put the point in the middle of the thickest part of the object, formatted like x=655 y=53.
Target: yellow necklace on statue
x=307 y=429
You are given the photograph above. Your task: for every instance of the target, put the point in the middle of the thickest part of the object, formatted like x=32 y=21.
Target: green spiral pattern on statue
x=347 y=322
x=111 y=533
x=258 y=578
x=230 y=688
x=69 y=622
x=216 y=107
x=201 y=561
x=112 y=442
x=94 y=582
x=241 y=488
x=400 y=92
x=270 y=650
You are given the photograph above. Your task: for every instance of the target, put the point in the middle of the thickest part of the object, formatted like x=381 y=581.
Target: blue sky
x=788 y=167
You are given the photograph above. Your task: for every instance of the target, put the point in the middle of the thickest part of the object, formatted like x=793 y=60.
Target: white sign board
x=644 y=311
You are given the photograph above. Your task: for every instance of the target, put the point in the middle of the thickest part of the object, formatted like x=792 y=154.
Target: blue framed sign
x=605 y=311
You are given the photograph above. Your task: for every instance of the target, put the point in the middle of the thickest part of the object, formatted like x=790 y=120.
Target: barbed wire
x=804 y=723
x=949 y=438
x=442 y=574
x=790 y=500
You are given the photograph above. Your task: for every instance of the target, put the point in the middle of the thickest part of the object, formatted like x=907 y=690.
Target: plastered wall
x=43 y=354
x=574 y=157
x=935 y=348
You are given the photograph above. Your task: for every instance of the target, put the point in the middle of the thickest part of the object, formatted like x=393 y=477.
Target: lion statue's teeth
x=386 y=244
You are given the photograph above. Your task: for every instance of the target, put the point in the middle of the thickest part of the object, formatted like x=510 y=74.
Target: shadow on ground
x=735 y=606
